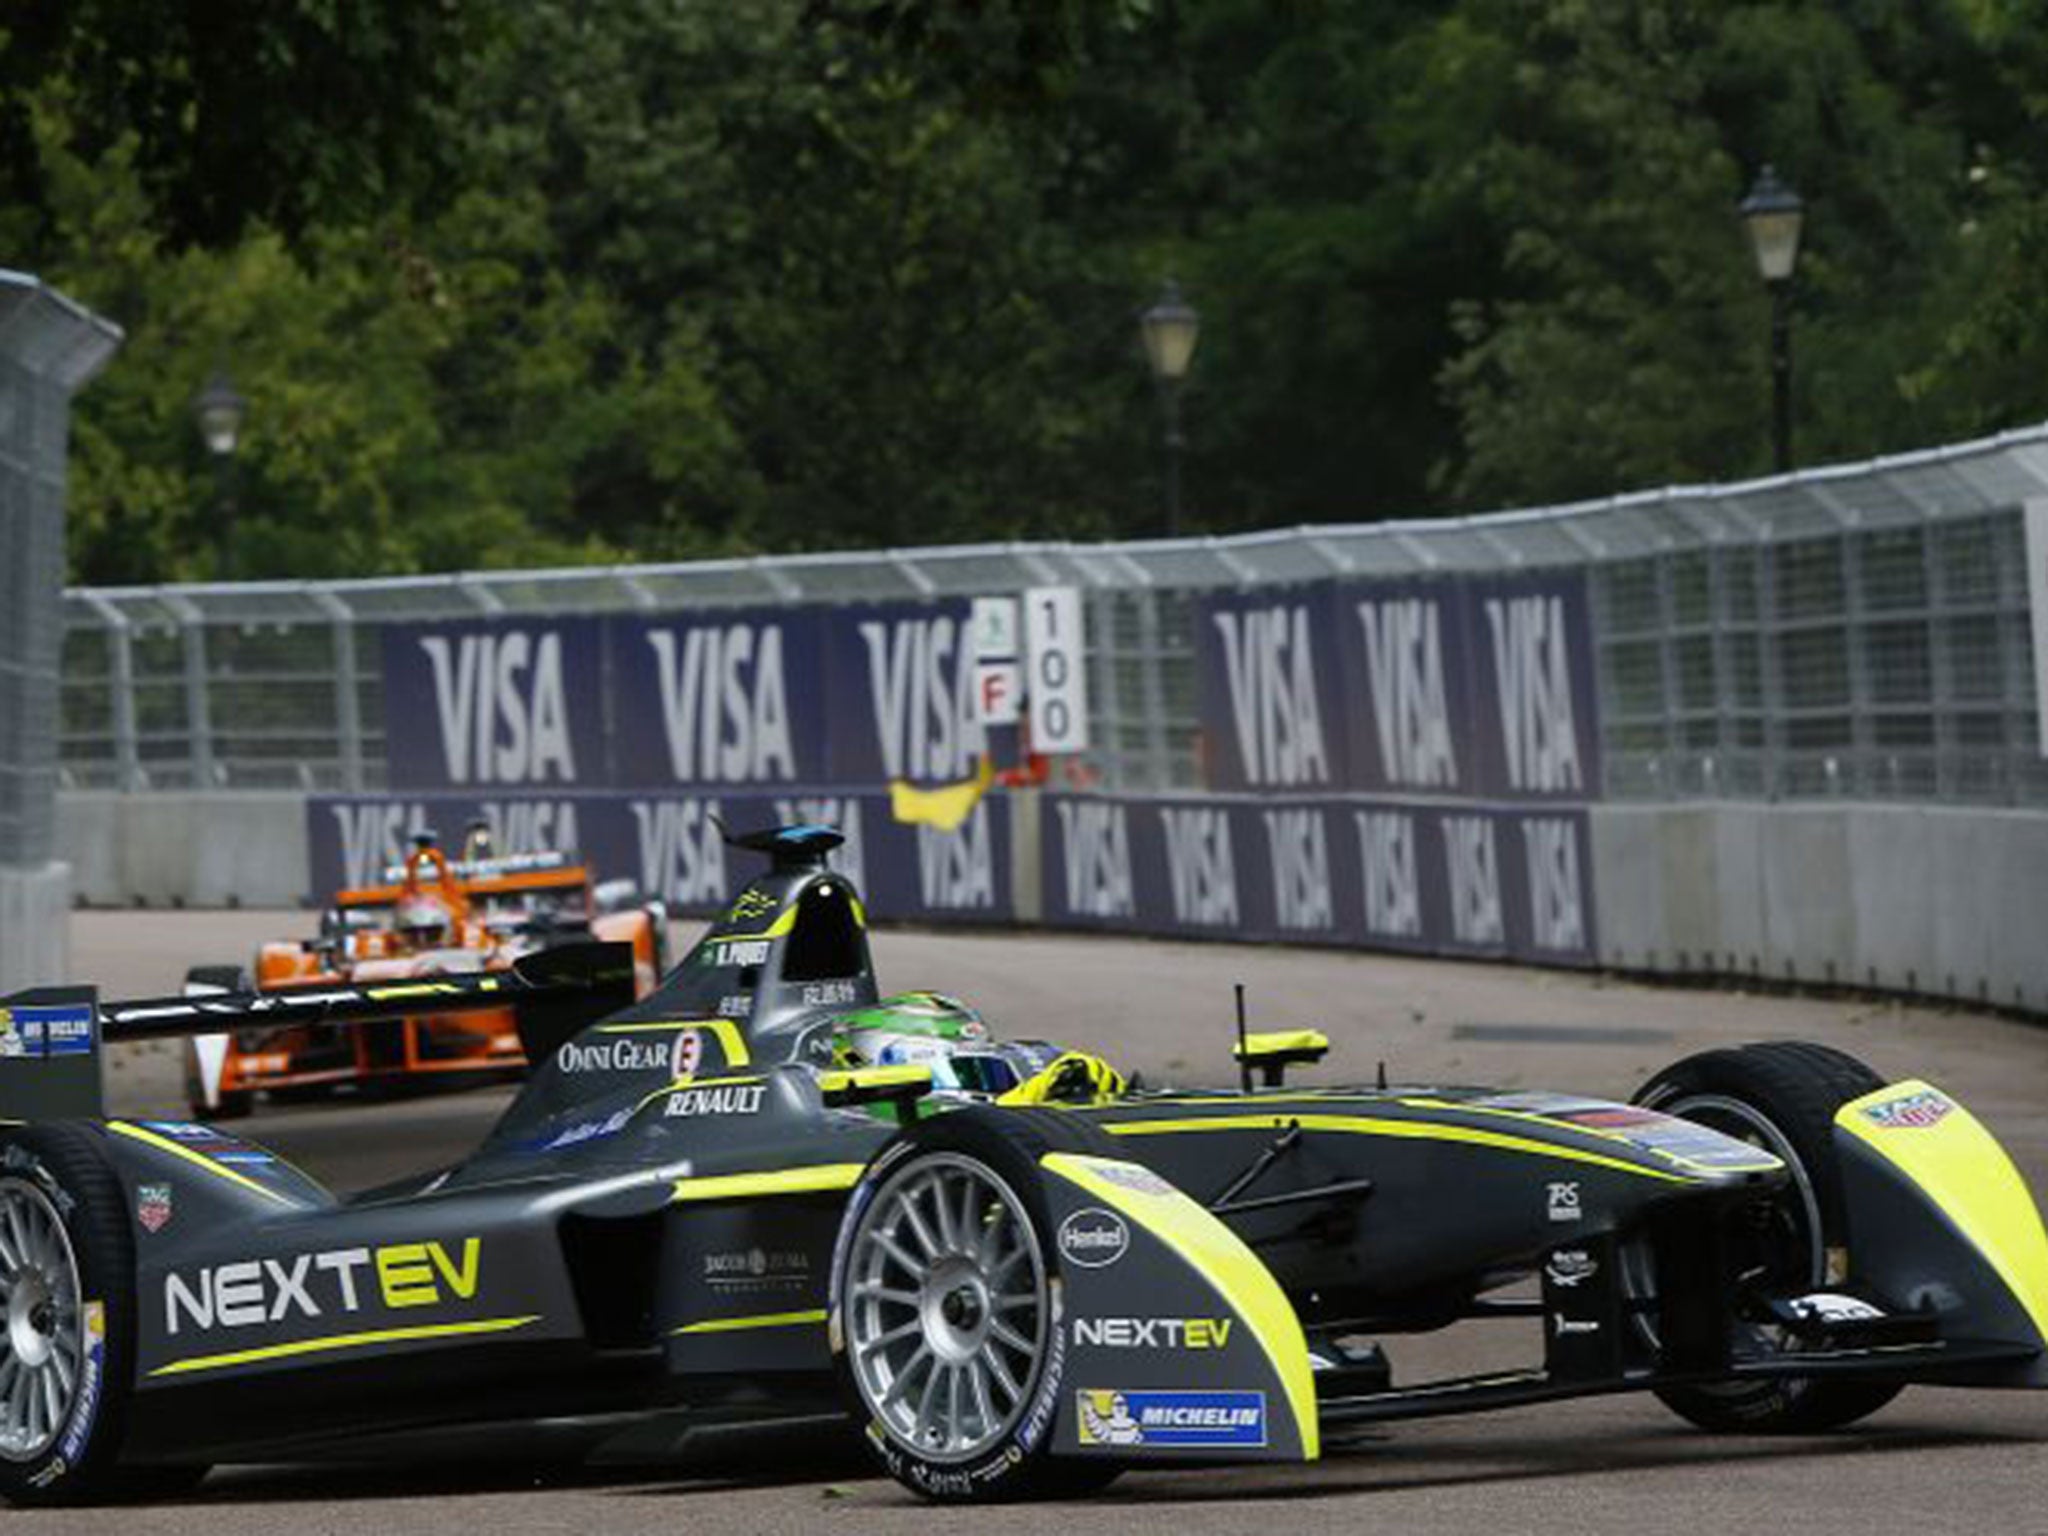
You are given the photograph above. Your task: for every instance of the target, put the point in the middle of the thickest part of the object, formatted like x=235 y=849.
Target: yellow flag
x=945 y=807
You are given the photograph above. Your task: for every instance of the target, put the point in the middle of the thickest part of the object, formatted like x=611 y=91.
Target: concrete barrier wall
x=1942 y=901
x=1938 y=900
x=35 y=926
x=201 y=850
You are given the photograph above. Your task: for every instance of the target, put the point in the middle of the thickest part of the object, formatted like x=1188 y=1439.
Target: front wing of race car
x=1178 y=1339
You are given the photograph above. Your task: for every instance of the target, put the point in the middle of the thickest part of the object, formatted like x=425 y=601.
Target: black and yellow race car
x=766 y=1193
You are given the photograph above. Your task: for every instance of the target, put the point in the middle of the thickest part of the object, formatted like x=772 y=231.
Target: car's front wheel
x=946 y=1311
x=67 y=1319
x=1781 y=1097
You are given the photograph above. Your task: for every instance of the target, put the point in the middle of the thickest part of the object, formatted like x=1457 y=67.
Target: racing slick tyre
x=67 y=1321
x=945 y=1324
x=232 y=1106
x=1781 y=1096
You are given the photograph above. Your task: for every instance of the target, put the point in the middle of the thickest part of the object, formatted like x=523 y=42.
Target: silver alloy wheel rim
x=945 y=1307
x=42 y=1343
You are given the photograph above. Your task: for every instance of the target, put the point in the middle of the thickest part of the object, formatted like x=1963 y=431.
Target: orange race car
x=431 y=918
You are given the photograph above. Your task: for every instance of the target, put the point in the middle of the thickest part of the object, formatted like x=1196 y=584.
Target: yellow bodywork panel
x=1295 y=1044
x=1946 y=1151
x=1220 y=1256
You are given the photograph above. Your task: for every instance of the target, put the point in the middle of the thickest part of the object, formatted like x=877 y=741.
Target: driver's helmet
x=423 y=922
x=934 y=1030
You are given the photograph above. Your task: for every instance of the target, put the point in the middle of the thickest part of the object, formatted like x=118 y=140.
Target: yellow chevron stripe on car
x=197 y=1159
x=817 y=1179
x=764 y=1320
x=1963 y=1170
x=725 y=1031
x=344 y=1341
x=1366 y=1125
x=1220 y=1257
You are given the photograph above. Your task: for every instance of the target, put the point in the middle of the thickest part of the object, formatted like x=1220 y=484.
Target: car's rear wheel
x=945 y=1318
x=1781 y=1097
x=67 y=1319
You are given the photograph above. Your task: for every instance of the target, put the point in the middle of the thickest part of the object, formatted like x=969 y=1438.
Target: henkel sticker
x=1093 y=1238
x=687 y=1054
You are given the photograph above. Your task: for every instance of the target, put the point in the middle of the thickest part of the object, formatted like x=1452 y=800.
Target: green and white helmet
x=941 y=1032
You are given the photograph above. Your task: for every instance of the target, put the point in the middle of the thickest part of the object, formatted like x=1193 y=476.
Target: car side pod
x=1179 y=1342
x=1941 y=1223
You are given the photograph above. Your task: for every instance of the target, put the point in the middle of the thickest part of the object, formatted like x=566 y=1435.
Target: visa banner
x=491 y=702
x=669 y=844
x=763 y=698
x=1428 y=878
x=1478 y=688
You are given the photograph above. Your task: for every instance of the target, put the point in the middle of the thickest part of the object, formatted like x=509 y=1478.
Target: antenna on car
x=1383 y=1077
x=1244 y=1061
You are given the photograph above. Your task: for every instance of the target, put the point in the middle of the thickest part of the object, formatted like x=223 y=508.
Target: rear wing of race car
x=52 y=1038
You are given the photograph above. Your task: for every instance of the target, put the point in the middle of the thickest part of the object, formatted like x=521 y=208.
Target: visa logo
x=1096 y=841
x=502 y=708
x=922 y=690
x=1271 y=670
x=724 y=703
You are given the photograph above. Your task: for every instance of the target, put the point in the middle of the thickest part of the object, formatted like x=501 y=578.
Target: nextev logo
x=1153 y=1332
x=503 y=711
x=257 y=1292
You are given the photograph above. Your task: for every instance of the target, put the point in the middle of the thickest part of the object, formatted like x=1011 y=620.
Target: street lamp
x=219 y=410
x=1170 y=329
x=1773 y=213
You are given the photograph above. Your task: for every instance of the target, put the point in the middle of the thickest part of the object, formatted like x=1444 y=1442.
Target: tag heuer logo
x=153 y=1206
x=1914 y=1111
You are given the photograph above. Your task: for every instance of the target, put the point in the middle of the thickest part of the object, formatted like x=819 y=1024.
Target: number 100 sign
x=1056 y=684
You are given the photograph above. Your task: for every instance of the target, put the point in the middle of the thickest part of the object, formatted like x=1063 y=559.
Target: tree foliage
x=557 y=282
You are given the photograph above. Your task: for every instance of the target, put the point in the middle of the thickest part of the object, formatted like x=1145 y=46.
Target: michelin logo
x=46 y=1032
x=1193 y=1420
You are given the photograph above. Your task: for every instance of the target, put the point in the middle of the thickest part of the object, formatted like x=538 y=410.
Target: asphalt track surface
x=1933 y=1461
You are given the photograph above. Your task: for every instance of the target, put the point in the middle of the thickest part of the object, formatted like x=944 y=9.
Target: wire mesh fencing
x=1858 y=631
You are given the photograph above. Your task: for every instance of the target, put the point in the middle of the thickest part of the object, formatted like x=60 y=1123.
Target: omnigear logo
x=254 y=1293
x=677 y=1054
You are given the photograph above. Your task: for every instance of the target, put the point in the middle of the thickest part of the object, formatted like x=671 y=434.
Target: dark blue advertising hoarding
x=734 y=697
x=729 y=698
x=1475 y=687
x=669 y=844
x=900 y=677
x=1426 y=878
x=487 y=703
x=1269 y=680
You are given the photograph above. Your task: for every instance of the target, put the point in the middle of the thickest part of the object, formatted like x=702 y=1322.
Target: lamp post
x=219 y=409
x=1773 y=213
x=1170 y=329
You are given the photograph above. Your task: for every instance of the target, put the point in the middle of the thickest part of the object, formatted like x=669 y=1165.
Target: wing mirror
x=1273 y=1053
